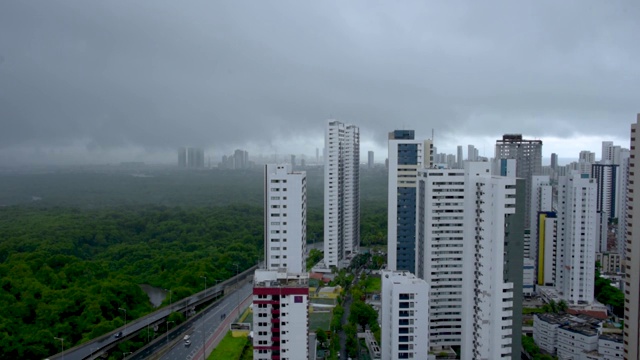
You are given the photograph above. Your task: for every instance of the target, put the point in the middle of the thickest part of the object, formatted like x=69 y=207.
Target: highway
x=214 y=325
x=92 y=349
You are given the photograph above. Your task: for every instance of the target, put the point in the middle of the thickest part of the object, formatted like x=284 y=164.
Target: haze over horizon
x=99 y=82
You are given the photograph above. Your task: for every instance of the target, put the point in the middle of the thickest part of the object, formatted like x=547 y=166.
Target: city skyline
x=86 y=82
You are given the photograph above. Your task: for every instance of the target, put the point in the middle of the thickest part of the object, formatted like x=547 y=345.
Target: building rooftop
x=280 y=278
x=612 y=337
x=584 y=329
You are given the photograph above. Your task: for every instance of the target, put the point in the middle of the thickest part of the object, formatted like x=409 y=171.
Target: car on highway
x=118 y=334
x=187 y=342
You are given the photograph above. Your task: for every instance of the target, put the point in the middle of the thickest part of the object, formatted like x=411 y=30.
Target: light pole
x=205 y=285
x=124 y=355
x=237 y=288
x=125 y=319
x=61 y=345
x=168 y=329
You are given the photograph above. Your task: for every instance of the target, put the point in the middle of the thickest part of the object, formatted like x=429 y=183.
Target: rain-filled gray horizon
x=123 y=80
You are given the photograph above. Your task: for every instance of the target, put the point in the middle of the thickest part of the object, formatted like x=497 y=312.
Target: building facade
x=406 y=157
x=632 y=265
x=280 y=315
x=472 y=268
x=404 y=322
x=285 y=218
x=341 y=193
x=577 y=234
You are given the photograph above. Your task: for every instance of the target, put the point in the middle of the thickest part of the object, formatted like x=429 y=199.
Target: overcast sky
x=133 y=80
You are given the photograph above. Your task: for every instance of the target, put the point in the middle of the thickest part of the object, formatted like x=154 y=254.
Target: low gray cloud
x=161 y=74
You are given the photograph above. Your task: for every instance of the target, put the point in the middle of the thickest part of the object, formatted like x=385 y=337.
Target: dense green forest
x=73 y=257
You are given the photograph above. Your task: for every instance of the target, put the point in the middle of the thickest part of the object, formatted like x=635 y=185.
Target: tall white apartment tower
x=406 y=157
x=280 y=315
x=488 y=298
x=285 y=218
x=341 y=192
x=577 y=236
x=632 y=265
x=623 y=204
x=404 y=321
x=468 y=238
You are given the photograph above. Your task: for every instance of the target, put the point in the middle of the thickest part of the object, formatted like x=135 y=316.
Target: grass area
x=324 y=301
x=319 y=320
x=527 y=311
x=230 y=348
x=373 y=285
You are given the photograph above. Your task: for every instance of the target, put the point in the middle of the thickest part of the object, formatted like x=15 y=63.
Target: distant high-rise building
x=632 y=265
x=406 y=157
x=370 y=162
x=606 y=176
x=459 y=158
x=472 y=153
x=588 y=156
x=191 y=157
x=341 y=192
x=285 y=218
x=293 y=161
x=182 y=157
x=317 y=156
x=547 y=240
x=554 y=161
x=577 y=227
x=470 y=251
x=605 y=150
x=528 y=156
x=541 y=201
x=405 y=326
x=280 y=315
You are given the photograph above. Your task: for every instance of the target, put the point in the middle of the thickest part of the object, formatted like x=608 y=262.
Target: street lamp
x=205 y=285
x=61 y=345
x=168 y=330
x=124 y=355
x=237 y=287
x=125 y=319
x=170 y=305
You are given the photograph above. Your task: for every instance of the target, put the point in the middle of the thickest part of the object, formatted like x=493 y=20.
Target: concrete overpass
x=103 y=344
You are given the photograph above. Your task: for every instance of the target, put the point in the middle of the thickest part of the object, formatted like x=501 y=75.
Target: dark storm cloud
x=161 y=74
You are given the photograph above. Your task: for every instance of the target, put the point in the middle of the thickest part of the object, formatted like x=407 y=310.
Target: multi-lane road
x=214 y=323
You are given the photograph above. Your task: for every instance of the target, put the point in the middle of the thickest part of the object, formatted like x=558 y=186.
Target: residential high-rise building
x=341 y=193
x=370 y=160
x=528 y=156
x=404 y=323
x=554 y=161
x=459 y=158
x=285 y=218
x=406 y=157
x=623 y=205
x=577 y=231
x=293 y=161
x=541 y=200
x=182 y=157
x=491 y=301
x=607 y=182
x=632 y=265
x=470 y=238
x=280 y=315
